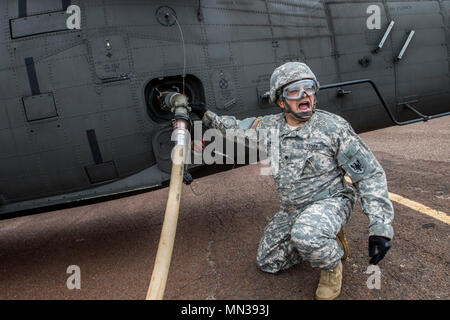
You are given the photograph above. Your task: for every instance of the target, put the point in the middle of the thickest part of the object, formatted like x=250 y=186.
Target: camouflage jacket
x=313 y=159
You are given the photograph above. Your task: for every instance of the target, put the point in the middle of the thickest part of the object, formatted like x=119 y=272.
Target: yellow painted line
x=439 y=215
x=436 y=214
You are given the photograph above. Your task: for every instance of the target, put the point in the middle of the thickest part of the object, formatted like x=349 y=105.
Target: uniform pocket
x=295 y=165
x=320 y=162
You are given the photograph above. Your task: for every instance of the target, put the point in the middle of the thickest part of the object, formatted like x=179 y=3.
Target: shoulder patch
x=357 y=166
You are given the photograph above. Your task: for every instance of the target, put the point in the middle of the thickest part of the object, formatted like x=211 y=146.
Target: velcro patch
x=255 y=124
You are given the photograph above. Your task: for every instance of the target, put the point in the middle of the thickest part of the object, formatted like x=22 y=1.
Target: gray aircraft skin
x=79 y=117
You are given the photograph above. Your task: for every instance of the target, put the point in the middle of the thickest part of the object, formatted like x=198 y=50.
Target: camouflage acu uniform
x=316 y=202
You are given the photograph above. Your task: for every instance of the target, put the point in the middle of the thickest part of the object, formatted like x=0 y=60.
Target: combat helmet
x=300 y=75
x=289 y=72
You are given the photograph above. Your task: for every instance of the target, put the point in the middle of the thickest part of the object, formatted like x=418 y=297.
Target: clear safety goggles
x=295 y=90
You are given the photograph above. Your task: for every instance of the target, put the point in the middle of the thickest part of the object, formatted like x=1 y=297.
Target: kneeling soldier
x=317 y=149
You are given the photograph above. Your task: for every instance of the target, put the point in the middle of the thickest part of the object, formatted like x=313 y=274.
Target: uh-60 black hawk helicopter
x=80 y=114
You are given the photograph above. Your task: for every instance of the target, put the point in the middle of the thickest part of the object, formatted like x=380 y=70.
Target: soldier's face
x=305 y=104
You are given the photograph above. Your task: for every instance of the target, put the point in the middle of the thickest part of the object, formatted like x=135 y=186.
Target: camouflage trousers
x=304 y=234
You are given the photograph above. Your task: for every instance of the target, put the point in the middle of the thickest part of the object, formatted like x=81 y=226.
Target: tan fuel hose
x=167 y=239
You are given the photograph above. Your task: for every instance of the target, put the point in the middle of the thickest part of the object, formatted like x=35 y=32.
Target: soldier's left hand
x=378 y=247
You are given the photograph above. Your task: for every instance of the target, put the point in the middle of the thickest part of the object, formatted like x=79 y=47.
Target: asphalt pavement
x=221 y=220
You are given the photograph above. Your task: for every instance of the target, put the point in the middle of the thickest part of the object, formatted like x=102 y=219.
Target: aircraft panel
x=382 y=63
x=94 y=16
x=361 y=97
x=305 y=7
x=38 y=24
x=4 y=55
x=225 y=91
x=230 y=33
x=7 y=143
x=65 y=74
x=356 y=25
x=219 y=54
x=55 y=162
x=76 y=179
x=8 y=89
x=71 y=103
x=61 y=47
x=115 y=96
x=289 y=50
x=77 y=126
x=255 y=75
x=307 y=31
x=39 y=137
x=27 y=84
x=245 y=5
x=422 y=38
x=346 y=44
x=262 y=52
x=374 y=112
x=446 y=10
x=307 y=19
x=15 y=112
x=139 y=154
x=10 y=170
x=141 y=13
x=121 y=122
x=402 y=8
x=234 y=17
x=316 y=47
x=4 y=121
x=40 y=107
x=323 y=67
x=110 y=56
x=351 y=9
x=32 y=7
x=422 y=54
x=132 y=163
x=426 y=85
x=419 y=21
x=173 y=56
x=143 y=52
x=25 y=188
x=428 y=39
x=424 y=66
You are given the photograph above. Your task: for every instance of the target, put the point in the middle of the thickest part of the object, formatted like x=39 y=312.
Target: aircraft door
x=420 y=54
x=363 y=49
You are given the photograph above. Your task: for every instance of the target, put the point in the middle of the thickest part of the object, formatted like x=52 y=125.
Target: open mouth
x=304 y=106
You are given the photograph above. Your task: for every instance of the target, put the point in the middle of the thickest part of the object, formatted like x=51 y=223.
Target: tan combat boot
x=342 y=241
x=330 y=283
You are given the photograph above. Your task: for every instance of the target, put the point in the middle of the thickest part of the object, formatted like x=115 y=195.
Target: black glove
x=382 y=244
x=187 y=178
x=198 y=108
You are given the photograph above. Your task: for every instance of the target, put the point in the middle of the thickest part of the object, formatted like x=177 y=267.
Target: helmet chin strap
x=302 y=116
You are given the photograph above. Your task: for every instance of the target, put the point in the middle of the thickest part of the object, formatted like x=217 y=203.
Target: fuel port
x=193 y=89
